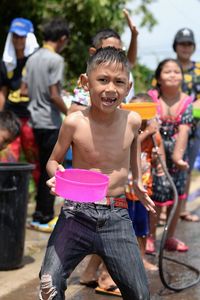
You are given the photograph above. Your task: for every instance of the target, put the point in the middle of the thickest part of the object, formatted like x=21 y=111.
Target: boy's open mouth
x=109 y=101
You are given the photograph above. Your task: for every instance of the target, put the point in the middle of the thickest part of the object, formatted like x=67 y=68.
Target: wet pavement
x=24 y=284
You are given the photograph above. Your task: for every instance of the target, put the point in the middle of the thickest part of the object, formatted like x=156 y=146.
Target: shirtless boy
x=103 y=139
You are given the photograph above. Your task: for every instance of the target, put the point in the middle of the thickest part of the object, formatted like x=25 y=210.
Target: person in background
x=184 y=45
x=174 y=109
x=20 y=44
x=43 y=79
x=9 y=128
x=138 y=213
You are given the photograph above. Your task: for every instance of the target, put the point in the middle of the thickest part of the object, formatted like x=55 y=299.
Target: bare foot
x=105 y=281
x=149 y=266
x=89 y=275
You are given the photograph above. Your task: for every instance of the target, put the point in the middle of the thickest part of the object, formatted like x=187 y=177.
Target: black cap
x=184 y=35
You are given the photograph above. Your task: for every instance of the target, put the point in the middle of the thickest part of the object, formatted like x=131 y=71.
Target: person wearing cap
x=20 y=44
x=184 y=45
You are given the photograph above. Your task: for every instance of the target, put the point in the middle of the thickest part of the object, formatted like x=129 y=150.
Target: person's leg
x=119 y=249
x=46 y=140
x=193 y=149
x=71 y=240
x=89 y=276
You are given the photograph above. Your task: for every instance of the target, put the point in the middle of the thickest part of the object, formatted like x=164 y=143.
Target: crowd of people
x=120 y=230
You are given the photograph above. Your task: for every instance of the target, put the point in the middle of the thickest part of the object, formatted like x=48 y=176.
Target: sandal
x=189 y=217
x=173 y=244
x=150 y=246
x=112 y=290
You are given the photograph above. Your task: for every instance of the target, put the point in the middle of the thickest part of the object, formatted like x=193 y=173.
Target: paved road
x=23 y=283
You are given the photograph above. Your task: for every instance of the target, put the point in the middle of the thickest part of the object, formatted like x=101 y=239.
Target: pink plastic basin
x=81 y=185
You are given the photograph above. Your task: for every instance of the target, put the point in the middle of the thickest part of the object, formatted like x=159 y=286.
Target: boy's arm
x=132 y=50
x=60 y=149
x=180 y=147
x=57 y=99
x=2 y=99
x=135 y=163
x=24 y=89
x=62 y=145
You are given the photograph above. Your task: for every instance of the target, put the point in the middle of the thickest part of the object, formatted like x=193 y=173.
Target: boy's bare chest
x=103 y=143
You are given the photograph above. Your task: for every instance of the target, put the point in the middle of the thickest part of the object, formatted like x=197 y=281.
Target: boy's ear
x=129 y=87
x=84 y=82
x=92 y=51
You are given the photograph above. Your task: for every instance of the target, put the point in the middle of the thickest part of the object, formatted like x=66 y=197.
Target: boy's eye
x=102 y=80
x=120 y=82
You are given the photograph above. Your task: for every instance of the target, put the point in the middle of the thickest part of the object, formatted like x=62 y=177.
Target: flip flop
x=90 y=284
x=189 y=217
x=47 y=228
x=173 y=244
x=109 y=291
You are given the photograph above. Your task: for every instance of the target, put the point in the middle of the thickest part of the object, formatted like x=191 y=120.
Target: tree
x=85 y=18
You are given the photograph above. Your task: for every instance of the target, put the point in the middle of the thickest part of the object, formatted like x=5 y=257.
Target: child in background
x=9 y=128
x=175 y=113
x=138 y=213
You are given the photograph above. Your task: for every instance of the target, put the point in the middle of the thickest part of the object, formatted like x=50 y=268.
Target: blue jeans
x=107 y=231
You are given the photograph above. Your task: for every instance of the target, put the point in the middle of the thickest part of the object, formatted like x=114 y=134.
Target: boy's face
x=5 y=138
x=185 y=50
x=111 y=42
x=108 y=84
x=18 y=42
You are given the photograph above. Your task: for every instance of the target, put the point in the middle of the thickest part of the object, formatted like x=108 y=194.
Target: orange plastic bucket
x=147 y=110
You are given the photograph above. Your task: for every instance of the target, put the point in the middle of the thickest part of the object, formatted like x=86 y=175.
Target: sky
x=171 y=16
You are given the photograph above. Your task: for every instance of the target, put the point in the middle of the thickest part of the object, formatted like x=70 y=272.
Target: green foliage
x=85 y=18
x=142 y=77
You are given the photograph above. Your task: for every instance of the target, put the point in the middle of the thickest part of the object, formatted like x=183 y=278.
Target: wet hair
x=10 y=122
x=103 y=34
x=143 y=96
x=54 y=29
x=159 y=70
x=108 y=55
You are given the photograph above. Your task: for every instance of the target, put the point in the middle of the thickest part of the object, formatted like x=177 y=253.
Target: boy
x=9 y=128
x=44 y=75
x=108 y=38
x=102 y=137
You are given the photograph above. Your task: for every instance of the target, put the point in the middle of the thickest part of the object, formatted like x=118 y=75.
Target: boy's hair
x=108 y=55
x=143 y=96
x=54 y=29
x=10 y=122
x=103 y=34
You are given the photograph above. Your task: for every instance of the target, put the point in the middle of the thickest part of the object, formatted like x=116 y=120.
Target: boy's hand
x=142 y=195
x=130 y=23
x=51 y=183
x=181 y=164
x=152 y=127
